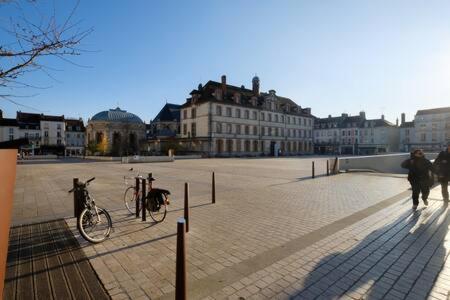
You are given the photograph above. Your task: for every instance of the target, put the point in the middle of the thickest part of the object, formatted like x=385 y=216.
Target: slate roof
x=433 y=111
x=168 y=113
x=206 y=95
x=71 y=125
x=9 y=122
x=117 y=115
x=407 y=124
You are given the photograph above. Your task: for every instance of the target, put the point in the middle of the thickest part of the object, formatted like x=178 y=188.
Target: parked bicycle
x=157 y=199
x=94 y=223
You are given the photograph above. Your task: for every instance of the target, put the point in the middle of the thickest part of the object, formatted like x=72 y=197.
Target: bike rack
x=79 y=198
x=141 y=184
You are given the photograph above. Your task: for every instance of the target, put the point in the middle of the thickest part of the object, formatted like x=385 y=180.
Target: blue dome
x=116 y=115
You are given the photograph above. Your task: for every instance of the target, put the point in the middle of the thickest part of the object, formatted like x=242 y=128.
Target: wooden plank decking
x=45 y=261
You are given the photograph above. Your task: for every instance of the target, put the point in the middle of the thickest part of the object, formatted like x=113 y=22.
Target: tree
x=31 y=37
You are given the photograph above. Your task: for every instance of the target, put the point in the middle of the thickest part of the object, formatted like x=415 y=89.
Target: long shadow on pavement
x=389 y=263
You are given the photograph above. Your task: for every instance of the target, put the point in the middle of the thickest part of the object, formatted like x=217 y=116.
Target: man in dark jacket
x=418 y=176
x=442 y=169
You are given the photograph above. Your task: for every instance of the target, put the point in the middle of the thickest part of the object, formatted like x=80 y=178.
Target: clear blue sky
x=332 y=56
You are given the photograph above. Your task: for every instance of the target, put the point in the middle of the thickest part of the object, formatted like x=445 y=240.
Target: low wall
x=146 y=159
x=49 y=156
x=106 y=158
x=177 y=157
x=388 y=163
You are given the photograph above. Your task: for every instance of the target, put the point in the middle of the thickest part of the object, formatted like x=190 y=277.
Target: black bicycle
x=94 y=223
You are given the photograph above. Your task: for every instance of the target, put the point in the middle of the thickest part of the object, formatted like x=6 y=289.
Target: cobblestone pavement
x=263 y=205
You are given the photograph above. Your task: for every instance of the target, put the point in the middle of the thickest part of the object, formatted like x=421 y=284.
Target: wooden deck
x=45 y=261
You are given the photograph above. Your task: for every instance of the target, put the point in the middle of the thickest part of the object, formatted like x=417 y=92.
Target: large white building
x=225 y=120
x=430 y=130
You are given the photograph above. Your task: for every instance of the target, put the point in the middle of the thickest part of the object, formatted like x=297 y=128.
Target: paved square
x=267 y=234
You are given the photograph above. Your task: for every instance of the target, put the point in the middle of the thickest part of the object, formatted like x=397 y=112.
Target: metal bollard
x=144 y=200
x=137 y=200
x=186 y=205
x=213 y=188
x=328 y=168
x=313 y=171
x=180 y=277
x=75 y=199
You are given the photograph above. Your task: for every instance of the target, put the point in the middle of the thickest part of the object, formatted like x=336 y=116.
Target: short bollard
x=75 y=199
x=144 y=200
x=313 y=170
x=213 y=191
x=180 y=277
x=137 y=200
x=335 y=165
x=186 y=205
x=328 y=168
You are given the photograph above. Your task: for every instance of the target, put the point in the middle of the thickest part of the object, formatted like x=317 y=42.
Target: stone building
x=75 y=137
x=116 y=132
x=225 y=120
x=431 y=129
x=9 y=129
x=355 y=135
x=164 y=129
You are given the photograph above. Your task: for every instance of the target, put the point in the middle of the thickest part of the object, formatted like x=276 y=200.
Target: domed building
x=116 y=132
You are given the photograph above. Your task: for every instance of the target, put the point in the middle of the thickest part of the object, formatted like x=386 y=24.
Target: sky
x=383 y=57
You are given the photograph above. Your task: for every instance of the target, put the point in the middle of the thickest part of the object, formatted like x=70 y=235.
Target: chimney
x=403 y=118
x=255 y=85
x=396 y=122
x=329 y=116
x=224 y=86
x=362 y=114
x=382 y=117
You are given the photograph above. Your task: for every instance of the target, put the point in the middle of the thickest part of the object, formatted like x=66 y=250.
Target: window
x=219 y=128
x=58 y=142
x=218 y=110
x=193 y=113
x=247 y=130
x=185 y=114
x=12 y=132
x=262 y=116
x=68 y=135
x=185 y=129
x=276 y=118
x=238 y=113
x=238 y=129
x=270 y=117
x=228 y=111
x=255 y=130
x=289 y=120
x=193 y=129
x=58 y=134
x=255 y=115
x=58 y=126
x=229 y=129
x=247 y=114
x=46 y=133
x=282 y=119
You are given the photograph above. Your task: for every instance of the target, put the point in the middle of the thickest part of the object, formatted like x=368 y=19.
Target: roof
x=72 y=124
x=117 y=115
x=8 y=122
x=168 y=113
x=345 y=121
x=28 y=117
x=206 y=94
x=407 y=124
x=433 y=111
x=52 y=118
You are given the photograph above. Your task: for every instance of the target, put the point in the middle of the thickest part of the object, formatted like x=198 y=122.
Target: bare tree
x=31 y=39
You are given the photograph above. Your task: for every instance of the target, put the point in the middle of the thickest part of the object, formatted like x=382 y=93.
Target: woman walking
x=442 y=169
x=419 y=176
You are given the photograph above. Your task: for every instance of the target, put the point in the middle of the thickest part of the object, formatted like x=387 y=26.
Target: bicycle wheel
x=95 y=227
x=157 y=208
x=129 y=198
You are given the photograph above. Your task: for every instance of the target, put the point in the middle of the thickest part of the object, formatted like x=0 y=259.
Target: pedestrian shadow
x=387 y=263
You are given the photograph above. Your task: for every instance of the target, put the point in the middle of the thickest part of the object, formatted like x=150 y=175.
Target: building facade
x=225 y=120
x=355 y=135
x=75 y=137
x=9 y=129
x=115 y=132
x=53 y=133
x=431 y=129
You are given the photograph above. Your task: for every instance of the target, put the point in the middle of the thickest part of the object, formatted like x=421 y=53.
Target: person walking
x=441 y=167
x=419 y=176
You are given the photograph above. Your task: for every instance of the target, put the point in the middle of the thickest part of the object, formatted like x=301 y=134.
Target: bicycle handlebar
x=90 y=180
x=82 y=184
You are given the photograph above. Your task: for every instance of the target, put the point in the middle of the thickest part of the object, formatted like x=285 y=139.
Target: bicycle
x=94 y=223
x=157 y=199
